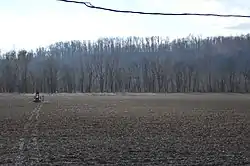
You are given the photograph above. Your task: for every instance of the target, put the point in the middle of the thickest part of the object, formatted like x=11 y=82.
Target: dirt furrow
x=28 y=145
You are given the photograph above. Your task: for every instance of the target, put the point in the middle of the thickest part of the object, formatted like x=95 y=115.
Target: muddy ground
x=172 y=129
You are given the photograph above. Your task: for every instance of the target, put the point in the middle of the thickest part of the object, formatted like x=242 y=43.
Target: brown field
x=149 y=129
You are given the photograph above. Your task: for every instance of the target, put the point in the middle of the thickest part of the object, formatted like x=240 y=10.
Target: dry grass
x=118 y=129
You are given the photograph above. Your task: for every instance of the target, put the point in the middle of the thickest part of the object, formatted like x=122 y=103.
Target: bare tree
x=134 y=64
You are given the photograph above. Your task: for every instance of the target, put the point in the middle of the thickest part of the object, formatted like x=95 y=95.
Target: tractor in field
x=38 y=98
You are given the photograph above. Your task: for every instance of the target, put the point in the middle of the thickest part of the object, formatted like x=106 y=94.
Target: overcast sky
x=32 y=23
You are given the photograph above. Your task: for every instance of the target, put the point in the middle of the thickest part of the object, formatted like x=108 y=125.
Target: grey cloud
x=241 y=26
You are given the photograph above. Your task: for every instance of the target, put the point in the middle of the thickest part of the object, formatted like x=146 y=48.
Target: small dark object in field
x=38 y=98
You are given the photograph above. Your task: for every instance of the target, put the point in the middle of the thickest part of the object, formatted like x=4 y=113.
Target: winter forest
x=133 y=64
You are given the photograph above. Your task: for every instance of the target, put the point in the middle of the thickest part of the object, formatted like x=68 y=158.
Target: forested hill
x=153 y=64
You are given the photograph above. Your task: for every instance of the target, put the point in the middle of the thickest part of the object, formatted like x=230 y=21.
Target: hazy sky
x=32 y=23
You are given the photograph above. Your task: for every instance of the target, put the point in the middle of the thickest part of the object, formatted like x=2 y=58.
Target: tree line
x=132 y=64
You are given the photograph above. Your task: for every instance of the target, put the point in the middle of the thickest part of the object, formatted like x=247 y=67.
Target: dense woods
x=134 y=64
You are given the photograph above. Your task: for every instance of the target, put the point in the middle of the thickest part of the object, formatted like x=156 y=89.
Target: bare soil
x=125 y=129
